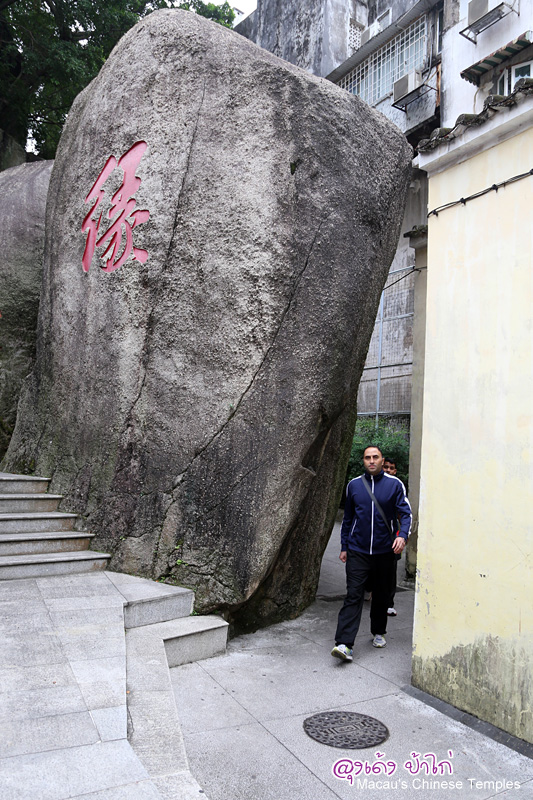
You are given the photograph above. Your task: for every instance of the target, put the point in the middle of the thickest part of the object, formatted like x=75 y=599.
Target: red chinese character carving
x=123 y=210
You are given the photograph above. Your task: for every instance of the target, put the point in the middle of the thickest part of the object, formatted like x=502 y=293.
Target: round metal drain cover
x=346 y=729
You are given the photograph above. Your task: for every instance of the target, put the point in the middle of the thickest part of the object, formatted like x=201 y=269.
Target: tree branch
x=6 y=4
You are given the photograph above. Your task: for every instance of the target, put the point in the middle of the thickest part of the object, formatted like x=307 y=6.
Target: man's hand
x=343 y=556
x=399 y=544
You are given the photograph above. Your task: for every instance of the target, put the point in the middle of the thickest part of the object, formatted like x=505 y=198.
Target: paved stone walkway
x=242 y=715
x=63 y=710
x=88 y=710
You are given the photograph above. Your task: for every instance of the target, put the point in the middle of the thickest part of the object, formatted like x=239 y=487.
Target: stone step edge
x=51 y=558
x=148 y=602
x=5 y=497
x=184 y=626
x=12 y=476
x=33 y=515
x=48 y=536
x=149 y=736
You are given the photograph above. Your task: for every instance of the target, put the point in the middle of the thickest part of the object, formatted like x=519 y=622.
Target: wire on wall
x=494 y=188
x=415 y=269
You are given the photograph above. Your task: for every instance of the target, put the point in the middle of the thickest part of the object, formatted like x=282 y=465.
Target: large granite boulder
x=23 y=191
x=219 y=229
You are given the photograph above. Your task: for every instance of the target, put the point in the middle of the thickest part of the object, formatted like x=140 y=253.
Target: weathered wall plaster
x=473 y=635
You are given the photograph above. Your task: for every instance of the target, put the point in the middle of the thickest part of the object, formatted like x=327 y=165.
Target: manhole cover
x=346 y=729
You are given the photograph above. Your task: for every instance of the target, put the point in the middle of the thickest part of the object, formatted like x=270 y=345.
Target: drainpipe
x=380 y=353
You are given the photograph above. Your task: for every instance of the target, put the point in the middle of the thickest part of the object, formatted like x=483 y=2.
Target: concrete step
x=25 y=484
x=43 y=565
x=12 y=503
x=148 y=602
x=154 y=731
x=40 y=521
x=190 y=638
x=12 y=544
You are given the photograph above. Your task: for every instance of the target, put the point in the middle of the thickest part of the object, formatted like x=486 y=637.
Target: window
x=521 y=71
x=508 y=78
x=374 y=77
x=440 y=26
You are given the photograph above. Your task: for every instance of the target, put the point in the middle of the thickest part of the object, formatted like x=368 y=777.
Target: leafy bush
x=391 y=439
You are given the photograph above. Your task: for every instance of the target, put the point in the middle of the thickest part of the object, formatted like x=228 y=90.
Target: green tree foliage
x=223 y=14
x=391 y=440
x=49 y=52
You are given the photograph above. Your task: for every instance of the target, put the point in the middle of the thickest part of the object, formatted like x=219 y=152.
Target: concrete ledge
x=35 y=542
x=153 y=725
x=16 y=503
x=149 y=602
x=21 y=484
x=43 y=565
x=39 y=521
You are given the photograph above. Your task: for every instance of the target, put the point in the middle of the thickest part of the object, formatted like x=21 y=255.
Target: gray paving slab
x=72 y=772
x=203 y=704
x=414 y=728
x=40 y=647
x=155 y=733
x=111 y=723
x=76 y=603
x=140 y=790
x=15 y=620
x=247 y=762
x=19 y=590
x=134 y=588
x=179 y=786
x=94 y=642
x=392 y=662
x=87 y=618
x=36 y=677
x=278 y=681
x=147 y=666
x=25 y=736
x=78 y=585
x=526 y=791
x=43 y=702
x=102 y=681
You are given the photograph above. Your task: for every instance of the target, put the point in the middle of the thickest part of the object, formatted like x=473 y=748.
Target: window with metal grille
x=374 y=77
x=354 y=35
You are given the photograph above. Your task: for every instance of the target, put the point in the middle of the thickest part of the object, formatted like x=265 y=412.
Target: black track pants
x=359 y=567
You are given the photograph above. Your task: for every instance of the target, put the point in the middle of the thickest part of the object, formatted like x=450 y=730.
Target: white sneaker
x=343 y=652
x=392 y=612
x=379 y=640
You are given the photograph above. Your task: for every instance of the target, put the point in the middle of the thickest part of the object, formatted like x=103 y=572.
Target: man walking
x=374 y=501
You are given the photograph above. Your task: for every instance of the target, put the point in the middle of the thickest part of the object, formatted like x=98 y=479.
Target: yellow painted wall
x=473 y=635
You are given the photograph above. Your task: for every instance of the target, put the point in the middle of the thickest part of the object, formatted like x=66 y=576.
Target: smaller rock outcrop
x=23 y=190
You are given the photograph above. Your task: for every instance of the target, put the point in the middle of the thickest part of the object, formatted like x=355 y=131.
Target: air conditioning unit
x=477 y=9
x=370 y=32
x=407 y=84
x=484 y=13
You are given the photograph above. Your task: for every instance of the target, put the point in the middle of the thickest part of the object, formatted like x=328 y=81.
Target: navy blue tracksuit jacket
x=363 y=529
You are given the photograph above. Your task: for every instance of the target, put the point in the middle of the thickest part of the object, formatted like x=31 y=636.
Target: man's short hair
x=390 y=460
x=377 y=448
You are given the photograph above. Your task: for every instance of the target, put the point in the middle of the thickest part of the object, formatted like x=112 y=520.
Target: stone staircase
x=37 y=540
x=129 y=654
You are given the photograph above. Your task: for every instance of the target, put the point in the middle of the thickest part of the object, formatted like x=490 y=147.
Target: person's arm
x=405 y=518
x=347 y=522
